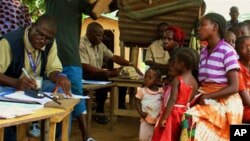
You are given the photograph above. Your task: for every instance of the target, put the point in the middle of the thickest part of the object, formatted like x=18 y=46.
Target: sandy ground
x=125 y=129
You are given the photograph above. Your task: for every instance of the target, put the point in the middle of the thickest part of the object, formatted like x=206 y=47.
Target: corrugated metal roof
x=142 y=31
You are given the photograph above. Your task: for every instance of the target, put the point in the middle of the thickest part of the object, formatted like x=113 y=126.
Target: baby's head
x=151 y=77
x=182 y=59
x=243 y=47
x=230 y=38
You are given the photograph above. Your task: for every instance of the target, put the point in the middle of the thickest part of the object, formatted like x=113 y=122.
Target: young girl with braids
x=220 y=104
x=183 y=88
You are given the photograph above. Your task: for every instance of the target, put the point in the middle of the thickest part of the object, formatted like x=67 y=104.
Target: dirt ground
x=125 y=129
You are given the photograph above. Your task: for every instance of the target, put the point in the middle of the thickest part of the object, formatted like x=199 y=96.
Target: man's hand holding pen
x=26 y=82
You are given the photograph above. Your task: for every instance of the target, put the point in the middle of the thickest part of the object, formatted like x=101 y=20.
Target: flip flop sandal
x=35 y=131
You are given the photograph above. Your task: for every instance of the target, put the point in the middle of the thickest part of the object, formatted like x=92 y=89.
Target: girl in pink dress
x=183 y=87
x=148 y=103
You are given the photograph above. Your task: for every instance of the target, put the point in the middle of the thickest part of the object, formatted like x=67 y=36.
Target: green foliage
x=36 y=7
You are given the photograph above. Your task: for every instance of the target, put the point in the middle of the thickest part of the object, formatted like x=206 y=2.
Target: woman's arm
x=231 y=88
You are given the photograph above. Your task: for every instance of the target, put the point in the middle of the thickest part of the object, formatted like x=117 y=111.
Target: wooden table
x=43 y=114
x=49 y=118
x=90 y=91
x=68 y=105
x=123 y=83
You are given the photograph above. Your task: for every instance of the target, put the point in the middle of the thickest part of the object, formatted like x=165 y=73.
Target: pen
x=25 y=72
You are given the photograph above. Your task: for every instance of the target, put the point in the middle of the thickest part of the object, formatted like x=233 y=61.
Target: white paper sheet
x=73 y=96
x=12 y=109
x=20 y=96
x=95 y=82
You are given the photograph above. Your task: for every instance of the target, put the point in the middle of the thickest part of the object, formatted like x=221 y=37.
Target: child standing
x=243 y=50
x=148 y=103
x=183 y=87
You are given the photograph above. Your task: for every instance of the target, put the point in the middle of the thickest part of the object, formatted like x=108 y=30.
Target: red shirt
x=244 y=78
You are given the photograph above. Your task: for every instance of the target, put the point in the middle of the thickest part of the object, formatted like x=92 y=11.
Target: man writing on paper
x=33 y=49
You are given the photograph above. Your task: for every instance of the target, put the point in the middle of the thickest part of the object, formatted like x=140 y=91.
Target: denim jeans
x=74 y=74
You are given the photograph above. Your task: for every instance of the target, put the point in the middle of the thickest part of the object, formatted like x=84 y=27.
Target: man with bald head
x=34 y=49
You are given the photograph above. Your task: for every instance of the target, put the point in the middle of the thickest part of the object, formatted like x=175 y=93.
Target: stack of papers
x=19 y=96
x=95 y=82
x=12 y=109
x=18 y=104
x=72 y=96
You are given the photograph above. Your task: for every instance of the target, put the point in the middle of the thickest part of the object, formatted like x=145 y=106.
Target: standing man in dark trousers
x=68 y=14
